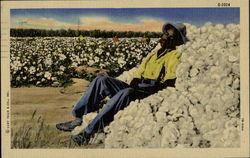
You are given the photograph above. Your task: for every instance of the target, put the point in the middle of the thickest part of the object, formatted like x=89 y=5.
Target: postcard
x=125 y=78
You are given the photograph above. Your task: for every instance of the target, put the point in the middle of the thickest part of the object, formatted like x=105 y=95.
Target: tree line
x=76 y=33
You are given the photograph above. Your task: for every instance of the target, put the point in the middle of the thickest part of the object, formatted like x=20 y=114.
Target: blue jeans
x=120 y=93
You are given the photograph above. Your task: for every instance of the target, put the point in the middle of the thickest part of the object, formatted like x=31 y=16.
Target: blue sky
x=135 y=19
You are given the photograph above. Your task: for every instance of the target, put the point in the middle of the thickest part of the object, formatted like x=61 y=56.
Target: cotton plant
x=203 y=110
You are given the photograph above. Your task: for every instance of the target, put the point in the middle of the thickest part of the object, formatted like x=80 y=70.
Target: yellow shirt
x=159 y=68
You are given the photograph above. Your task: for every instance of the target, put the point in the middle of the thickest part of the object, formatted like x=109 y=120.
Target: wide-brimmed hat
x=181 y=28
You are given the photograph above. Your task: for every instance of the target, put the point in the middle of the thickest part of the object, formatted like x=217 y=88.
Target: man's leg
x=99 y=88
x=116 y=103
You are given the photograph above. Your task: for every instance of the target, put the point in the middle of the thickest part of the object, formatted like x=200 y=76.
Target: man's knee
x=102 y=77
x=127 y=91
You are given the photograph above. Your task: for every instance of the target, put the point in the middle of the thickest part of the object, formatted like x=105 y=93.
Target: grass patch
x=36 y=133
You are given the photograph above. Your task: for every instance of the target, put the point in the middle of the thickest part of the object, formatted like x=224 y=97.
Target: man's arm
x=167 y=83
x=134 y=83
x=142 y=66
x=138 y=75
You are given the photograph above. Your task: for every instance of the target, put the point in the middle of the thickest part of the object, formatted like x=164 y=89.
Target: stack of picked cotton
x=202 y=111
x=126 y=76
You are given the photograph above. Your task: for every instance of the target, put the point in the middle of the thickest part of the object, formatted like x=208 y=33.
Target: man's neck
x=163 y=51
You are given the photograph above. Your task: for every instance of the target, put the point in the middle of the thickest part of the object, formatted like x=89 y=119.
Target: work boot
x=69 y=126
x=82 y=138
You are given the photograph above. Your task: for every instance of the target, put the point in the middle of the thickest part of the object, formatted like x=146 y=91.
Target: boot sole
x=62 y=129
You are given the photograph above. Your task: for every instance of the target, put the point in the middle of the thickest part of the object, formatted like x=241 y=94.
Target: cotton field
x=51 y=61
x=203 y=110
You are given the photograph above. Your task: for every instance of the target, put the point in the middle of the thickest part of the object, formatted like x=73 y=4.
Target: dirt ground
x=54 y=105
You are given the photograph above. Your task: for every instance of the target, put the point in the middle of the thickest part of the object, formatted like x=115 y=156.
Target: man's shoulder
x=175 y=52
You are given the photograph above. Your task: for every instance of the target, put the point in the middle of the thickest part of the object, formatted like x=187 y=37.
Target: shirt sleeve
x=171 y=66
x=142 y=67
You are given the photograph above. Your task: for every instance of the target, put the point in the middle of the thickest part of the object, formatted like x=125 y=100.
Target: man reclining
x=156 y=72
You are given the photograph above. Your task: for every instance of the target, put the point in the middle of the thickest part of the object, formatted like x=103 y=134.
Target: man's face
x=166 y=40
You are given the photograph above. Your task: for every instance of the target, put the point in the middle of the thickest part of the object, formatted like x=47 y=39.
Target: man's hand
x=134 y=83
x=152 y=89
x=156 y=88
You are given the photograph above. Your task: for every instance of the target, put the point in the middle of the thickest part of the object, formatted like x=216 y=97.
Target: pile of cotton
x=203 y=109
x=127 y=76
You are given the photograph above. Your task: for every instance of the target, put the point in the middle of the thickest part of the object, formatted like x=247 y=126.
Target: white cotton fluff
x=126 y=75
x=85 y=121
x=201 y=111
x=98 y=137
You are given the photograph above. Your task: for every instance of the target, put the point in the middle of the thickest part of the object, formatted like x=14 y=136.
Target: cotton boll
x=170 y=135
x=180 y=49
x=86 y=120
x=183 y=100
x=205 y=99
x=204 y=29
x=160 y=116
x=234 y=55
x=194 y=112
x=229 y=99
x=211 y=38
x=194 y=72
x=127 y=76
x=216 y=124
x=155 y=141
x=232 y=36
x=134 y=142
x=164 y=106
x=147 y=132
x=126 y=119
x=187 y=44
x=183 y=136
x=219 y=26
x=182 y=68
x=193 y=99
x=231 y=137
x=232 y=123
x=196 y=139
x=186 y=122
x=139 y=123
x=235 y=69
x=220 y=44
x=195 y=45
x=163 y=93
x=236 y=83
x=204 y=36
x=213 y=137
x=203 y=128
x=235 y=36
x=172 y=98
x=230 y=27
x=155 y=100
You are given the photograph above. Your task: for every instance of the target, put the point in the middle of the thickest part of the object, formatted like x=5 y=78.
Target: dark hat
x=179 y=27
